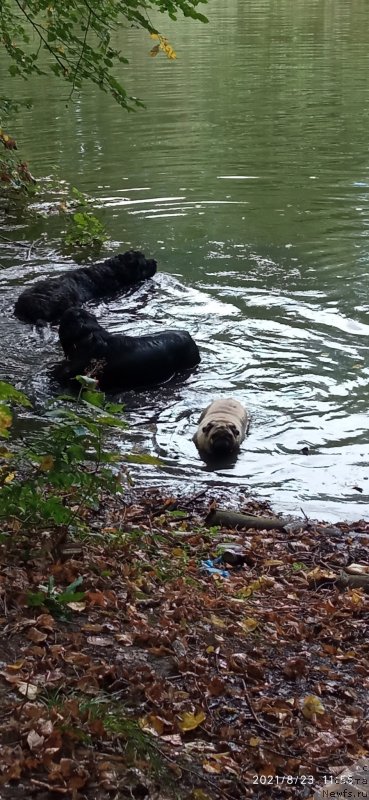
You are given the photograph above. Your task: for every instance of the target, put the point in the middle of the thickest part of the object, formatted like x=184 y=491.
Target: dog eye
x=235 y=430
x=207 y=428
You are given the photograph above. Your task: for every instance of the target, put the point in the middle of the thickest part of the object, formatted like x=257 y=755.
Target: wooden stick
x=232 y=519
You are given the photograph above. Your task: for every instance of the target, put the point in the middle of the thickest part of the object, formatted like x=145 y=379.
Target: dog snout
x=222 y=441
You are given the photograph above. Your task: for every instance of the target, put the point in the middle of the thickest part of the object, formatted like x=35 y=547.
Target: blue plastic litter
x=208 y=566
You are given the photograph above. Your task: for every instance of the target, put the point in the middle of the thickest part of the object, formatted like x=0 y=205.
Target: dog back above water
x=119 y=361
x=48 y=299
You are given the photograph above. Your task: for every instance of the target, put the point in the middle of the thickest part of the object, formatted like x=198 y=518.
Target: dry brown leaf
x=294 y=667
x=46 y=621
x=124 y=638
x=36 y=636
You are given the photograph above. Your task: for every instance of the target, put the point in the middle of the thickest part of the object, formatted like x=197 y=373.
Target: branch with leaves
x=77 y=37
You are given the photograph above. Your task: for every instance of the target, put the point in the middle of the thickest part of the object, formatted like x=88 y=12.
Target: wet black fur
x=48 y=299
x=121 y=362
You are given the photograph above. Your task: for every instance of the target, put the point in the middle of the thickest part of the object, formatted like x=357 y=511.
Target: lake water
x=247 y=178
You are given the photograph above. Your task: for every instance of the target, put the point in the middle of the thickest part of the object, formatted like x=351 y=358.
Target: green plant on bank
x=84 y=229
x=53 y=479
x=55 y=601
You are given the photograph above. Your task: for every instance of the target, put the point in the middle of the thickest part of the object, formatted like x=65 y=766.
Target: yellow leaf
x=212 y=767
x=177 y=552
x=312 y=705
x=154 y=36
x=16 y=666
x=5 y=420
x=10 y=477
x=319 y=574
x=248 y=624
x=4 y=453
x=152 y=724
x=356 y=596
x=217 y=621
x=273 y=562
x=210 y=649
x=198 y=794
x=188 y=721
x=46 y=463
x=254 y=586
x=254 y=741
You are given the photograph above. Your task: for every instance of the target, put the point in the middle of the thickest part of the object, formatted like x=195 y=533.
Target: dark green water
x=247 y=177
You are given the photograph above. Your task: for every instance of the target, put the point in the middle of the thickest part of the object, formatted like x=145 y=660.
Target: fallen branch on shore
x=234 y=519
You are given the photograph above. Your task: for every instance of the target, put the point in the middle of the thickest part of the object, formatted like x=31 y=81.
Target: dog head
x=76 y=326
x=219 y=439
x=135 y=264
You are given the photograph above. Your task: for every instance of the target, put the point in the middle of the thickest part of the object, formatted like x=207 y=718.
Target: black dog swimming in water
x=48 y=299
x=119 y=361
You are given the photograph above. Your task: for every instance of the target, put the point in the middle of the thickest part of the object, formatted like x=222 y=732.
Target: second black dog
x=119 y=361
x=48 y=299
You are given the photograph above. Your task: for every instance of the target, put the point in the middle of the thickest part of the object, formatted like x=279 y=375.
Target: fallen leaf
x=152 y=724
x=358 y=569
x=16 y=666
x=77 y=606
x=35 y=741
x=36 y=636
x=29 y=690
x=217 y=621
x=248 y=624
x=100 y=641
x=312 y=706
x=188 y=721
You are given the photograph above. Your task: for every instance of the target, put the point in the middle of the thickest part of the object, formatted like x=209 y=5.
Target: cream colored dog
x=222 y=428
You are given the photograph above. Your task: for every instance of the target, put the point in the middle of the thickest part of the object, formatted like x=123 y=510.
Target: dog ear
x=207 y=428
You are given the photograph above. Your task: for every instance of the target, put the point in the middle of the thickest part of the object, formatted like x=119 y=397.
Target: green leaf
x=73 y=586
x=143 y=458
x=35 y=599
x=93 y=398
x=8 y=392
x=70 y=597
x=84 y=380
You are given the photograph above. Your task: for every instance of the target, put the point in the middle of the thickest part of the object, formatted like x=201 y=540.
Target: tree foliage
x=79 y=37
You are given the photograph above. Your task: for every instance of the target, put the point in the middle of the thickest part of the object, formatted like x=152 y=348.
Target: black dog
x=119 y=361
x=48 y=299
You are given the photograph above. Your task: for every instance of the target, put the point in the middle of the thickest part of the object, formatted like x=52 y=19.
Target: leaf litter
x=164 y=681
